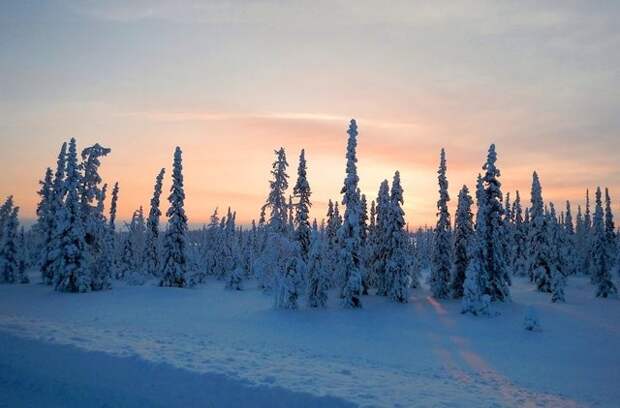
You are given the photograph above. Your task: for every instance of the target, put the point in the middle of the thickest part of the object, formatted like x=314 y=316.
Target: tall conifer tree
x=350 y=232
x=398 y=262
x=302 y=191
x=73 y=270
x=600 y=263
x=494 y=267
x=463 y=235
x=442 y=244
x=152 y=255
x=175 y=263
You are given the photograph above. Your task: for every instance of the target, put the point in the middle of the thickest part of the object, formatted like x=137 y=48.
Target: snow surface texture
x=144 y=346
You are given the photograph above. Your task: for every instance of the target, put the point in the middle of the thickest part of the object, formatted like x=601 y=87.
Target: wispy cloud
x=284 y=116
x=486 y=17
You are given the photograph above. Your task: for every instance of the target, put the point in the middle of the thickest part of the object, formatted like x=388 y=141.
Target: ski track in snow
x=361 y=381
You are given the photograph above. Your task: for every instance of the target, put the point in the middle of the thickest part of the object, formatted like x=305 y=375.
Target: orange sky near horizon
x=230 y=81
x=227 y=162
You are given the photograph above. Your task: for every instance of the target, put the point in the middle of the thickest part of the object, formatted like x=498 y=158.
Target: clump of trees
x=359 y=249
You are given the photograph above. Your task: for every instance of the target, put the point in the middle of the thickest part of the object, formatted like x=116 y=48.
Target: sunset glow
x=309 y=203
x=230 y=83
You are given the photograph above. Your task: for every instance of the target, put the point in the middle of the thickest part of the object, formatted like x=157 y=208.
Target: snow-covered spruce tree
x=441 y=260
x=151 y=258
x=587 y=216
x=424 y=245
x=211 y=241
x=175 y=263
x=584 y=238
x=73 y=267
x=370 y=247
x=610 y=229
x=579 y=239
x=92 y=207
x=250 y=251
x=538 y=238
x=236 y=271
x=364 y=217
x=380 y=244
x=89 y=183
x=220 y=248
x=276 y=200
x=5 y=212
x=349 y=234
x=463 y=235
x=520 y=252
x=290 y=269
x=508 y=214
x=280 y=267
x=50 y=254
x=480 y=200
x=45 y=194
x=44 y=226
x=126 y=261
x=234 y=280
x=271 y=261
x=600 y=262
x=261 y=233
x=372 y=219
x=290 y=219
x=89 y=192
x=568 y=219
x=318 y=276
x=229 y=249
x=133 y=249
x=366 y=273
x=557 y=273
x=414 y=258
x=494 y=267
x=508 y=235
x=337 y=216
x=101 y=271
x=24 y=258
x=542 y=261
x=526 y=218
x=397 y=263
x=474 y=300
x=617 y=267
x=479 y=231
x=233 y=241
x=10 y=271
x=339 y=276
x=302 y=192
x=290 y=276
x=332 y=247
x=262 y=218
x=255 y=238
x=110 y=247
x=568 y=250
x=114 y=207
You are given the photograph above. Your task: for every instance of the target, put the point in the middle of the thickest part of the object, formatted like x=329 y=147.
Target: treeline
x=359 y=249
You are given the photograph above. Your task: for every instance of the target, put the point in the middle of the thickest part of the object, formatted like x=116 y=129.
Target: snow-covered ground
x=151 y=346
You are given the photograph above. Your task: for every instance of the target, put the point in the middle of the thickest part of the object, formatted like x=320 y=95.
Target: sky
x=230 y=81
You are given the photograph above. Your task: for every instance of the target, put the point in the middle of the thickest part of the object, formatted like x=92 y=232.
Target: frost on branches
x=441 y=260
x=349 y=234
x=175 y=263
